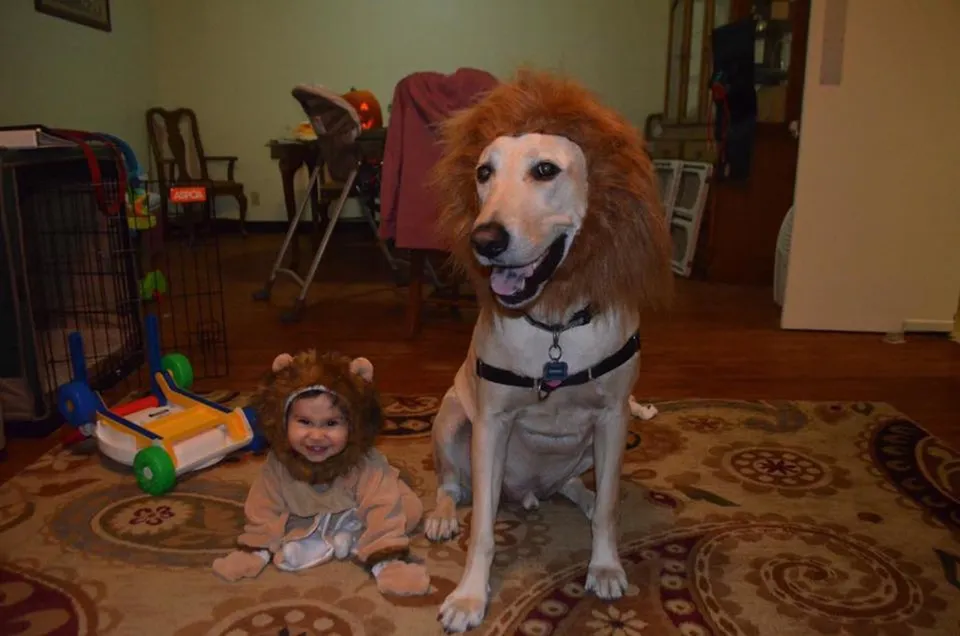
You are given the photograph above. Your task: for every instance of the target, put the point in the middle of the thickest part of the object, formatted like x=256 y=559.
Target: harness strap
x=509 y=378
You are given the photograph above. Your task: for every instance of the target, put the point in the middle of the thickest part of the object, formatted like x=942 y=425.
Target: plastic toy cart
x=165 y=434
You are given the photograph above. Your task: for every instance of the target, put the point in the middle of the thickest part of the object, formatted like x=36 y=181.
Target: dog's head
x=549 y=199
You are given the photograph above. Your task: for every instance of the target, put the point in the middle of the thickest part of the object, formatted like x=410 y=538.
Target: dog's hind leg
x=578 y=493
x=451 y=460
x=530 y=501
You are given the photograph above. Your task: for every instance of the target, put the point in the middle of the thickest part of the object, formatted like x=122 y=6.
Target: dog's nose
x=490 y=239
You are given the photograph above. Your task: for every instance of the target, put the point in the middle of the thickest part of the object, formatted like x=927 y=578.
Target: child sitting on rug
x=324 y=491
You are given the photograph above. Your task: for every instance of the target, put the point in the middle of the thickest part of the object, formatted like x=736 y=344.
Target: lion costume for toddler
x=300 y=514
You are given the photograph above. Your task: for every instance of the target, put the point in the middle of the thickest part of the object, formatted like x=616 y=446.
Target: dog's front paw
x=608 y=582
x=441 y=528
x=442 y=523
x=462 y=611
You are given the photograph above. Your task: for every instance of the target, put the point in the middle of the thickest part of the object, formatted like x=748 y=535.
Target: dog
x=550 y=204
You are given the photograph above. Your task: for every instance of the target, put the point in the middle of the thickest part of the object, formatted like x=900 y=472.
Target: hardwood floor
x=718 y=341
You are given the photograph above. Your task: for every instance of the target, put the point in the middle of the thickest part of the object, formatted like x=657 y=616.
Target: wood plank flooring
x=717 y=341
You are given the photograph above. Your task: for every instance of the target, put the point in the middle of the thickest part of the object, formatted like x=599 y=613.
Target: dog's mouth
x=518 y=284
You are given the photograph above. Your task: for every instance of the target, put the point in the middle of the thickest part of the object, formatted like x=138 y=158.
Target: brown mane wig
x=358 y=400
x=621 y=256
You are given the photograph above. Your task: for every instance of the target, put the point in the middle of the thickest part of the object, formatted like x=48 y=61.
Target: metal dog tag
x=555 y=371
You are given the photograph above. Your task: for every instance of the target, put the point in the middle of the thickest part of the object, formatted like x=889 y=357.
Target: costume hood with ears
x=348 y=382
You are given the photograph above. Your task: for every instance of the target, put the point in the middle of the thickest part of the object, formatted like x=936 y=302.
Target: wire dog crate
x=74 y=267
x=183 y=278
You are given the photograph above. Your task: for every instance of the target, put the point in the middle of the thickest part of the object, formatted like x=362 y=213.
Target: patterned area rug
x=748 y=518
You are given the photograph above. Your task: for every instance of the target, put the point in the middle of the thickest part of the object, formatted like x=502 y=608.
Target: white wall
x=876 y=239
x=72 y=76
x=235 y=61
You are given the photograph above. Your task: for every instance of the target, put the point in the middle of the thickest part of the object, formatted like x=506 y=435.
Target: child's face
x=316 y=428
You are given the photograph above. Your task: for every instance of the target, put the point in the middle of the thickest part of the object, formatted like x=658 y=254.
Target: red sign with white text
x=188 y=194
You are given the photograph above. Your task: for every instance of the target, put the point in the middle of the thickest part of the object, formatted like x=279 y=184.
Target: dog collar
x=579 y=319
x=544 y=386
x=555 y=370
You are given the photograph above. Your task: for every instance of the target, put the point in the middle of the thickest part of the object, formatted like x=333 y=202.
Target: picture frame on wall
x=91 y=13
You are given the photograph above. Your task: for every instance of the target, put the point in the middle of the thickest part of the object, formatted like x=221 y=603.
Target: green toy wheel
x=154 y=470
x=177 y=365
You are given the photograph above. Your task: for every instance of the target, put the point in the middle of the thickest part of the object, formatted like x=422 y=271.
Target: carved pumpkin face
x=367 y=107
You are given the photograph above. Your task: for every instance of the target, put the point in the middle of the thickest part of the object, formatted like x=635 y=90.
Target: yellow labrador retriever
x=550 y=202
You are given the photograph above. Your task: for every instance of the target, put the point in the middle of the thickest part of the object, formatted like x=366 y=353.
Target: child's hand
x=402 y=579
x=239 y=565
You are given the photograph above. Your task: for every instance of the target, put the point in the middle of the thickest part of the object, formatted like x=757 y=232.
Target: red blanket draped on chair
x=420 y=100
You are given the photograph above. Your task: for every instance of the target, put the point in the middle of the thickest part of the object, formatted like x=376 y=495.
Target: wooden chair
x=177 y=151
x=445 y=293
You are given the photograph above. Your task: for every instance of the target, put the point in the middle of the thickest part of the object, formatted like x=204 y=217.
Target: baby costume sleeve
x=265 y=510
x=389 y=511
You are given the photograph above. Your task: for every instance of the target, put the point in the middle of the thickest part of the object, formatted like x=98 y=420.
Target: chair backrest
x=336 y=124
x=175 y=138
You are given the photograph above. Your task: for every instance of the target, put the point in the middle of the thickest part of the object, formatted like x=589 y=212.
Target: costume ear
x=281 y=361
x=363 y=368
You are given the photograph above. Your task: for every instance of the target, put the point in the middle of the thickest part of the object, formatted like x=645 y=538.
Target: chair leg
x=455 y=295
x=368 y=215
x=415 y=289
x=242 y=202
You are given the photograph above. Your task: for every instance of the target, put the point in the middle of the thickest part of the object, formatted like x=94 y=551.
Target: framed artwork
x=91 y=13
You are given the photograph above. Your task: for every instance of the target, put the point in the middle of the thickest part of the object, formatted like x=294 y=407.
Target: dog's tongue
x=507 y=282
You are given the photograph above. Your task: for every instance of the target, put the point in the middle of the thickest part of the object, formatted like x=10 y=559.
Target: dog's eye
x=545 y=171
x=484 y=172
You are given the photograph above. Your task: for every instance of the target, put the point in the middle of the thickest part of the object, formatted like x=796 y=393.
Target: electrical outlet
x=254 y=199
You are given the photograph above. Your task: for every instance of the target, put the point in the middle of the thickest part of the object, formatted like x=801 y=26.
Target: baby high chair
x=337 y=126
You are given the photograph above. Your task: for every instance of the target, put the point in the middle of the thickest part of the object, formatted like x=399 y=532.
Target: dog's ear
x=363 y=368
x=281 y=361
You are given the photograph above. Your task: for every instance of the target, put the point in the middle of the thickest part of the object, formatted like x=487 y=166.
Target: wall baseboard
x=927 y=326
x=232 y=226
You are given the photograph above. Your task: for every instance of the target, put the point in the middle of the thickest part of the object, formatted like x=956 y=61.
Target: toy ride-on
x=165 y=434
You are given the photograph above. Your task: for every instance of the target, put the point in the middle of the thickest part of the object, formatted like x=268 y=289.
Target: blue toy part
x=134 y=174
x=154 y=357
x=259 y=441
x=77 y=403
x=77 y=358
x=137 y=199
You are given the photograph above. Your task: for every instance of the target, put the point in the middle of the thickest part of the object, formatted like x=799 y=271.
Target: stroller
x=342 y=146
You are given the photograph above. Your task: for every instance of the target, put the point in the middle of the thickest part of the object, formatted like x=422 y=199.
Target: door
x=760 y=202
x=780 y=56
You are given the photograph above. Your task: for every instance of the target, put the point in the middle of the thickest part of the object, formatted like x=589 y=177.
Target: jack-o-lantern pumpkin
x=367 y=107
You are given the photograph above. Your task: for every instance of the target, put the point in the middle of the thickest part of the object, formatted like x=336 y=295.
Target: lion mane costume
x=300 y=514
x=357 y=398
x=621 y=255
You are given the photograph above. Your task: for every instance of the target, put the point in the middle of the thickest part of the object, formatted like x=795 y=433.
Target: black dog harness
x=555 y=373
